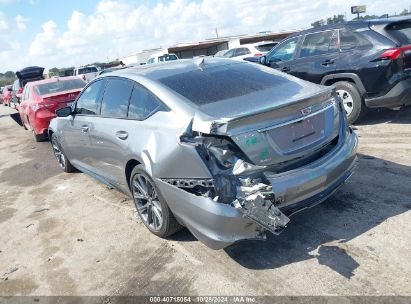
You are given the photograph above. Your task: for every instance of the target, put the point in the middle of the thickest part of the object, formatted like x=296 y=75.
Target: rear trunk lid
x=274 y=128
x=61 y=99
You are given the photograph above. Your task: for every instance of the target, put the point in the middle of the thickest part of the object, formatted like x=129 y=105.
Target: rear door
x=317 y=57
x=77 y=144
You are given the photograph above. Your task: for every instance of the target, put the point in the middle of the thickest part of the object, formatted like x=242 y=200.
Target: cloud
x=21 y=23
x=43 y=43
x=4 y=26
x=117 y=28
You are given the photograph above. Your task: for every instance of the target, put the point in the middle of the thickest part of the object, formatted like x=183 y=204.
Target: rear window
x=265 y=47
x=87 y=70
x=59 y=86
x=219 y=83
x=167 y=57
x=400 y=31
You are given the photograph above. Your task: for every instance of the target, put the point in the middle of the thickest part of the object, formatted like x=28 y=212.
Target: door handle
x=121 y=135
x=285 y=69
x=328 y=62
x=84 y=129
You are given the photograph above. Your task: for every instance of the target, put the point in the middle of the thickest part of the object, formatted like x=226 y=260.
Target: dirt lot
x=67 y=234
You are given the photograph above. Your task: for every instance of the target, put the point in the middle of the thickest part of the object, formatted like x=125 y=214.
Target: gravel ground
x=67 y=234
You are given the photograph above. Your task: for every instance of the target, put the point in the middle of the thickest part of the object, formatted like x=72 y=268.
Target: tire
x=147 y=208
x=39 y=137
x=352 y=101
x=61 y=158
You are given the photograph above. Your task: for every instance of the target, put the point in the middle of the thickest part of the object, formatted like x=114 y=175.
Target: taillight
x=44 y=105
x=258 y=55
x=394 y=53
x=20 y=90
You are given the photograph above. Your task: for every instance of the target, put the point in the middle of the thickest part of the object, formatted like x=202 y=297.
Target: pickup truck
x=87 y=73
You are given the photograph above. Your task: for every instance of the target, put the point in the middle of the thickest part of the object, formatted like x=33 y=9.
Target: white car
x=160 y=57
x=87 y=73
x=249 y=50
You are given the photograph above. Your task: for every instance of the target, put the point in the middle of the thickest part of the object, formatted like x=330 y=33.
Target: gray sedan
x=228 y=149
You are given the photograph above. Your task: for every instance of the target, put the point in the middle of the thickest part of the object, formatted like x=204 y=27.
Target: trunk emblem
x=306 y=111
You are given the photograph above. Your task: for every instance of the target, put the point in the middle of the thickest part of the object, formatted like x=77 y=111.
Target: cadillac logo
x=306 y=111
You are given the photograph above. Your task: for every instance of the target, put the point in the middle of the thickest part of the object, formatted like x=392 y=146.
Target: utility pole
x=216 y=32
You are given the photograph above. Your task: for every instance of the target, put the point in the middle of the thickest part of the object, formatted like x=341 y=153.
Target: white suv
x=249 y=50
x=87 y=73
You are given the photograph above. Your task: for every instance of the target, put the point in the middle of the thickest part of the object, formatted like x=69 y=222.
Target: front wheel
x=60 y=156
x=352 y=100
x=151 y=206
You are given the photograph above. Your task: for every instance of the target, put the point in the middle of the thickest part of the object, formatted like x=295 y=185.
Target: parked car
x=367 y=61
x=220 y=53
x=250 y=50
x=41 y=99
x=87 y=73
x=6 y=95
x=24 y=76
x=1 y=93
x=225 y=148
x=161 y=57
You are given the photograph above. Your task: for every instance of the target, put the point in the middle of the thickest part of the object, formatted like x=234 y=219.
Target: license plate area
x=299 y=134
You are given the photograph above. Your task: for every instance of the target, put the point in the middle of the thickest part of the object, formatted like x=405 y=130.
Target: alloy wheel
x=348 y=101
x=147 y=202
x=58 y=154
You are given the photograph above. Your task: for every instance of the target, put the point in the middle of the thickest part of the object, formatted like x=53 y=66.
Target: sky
x=60 y=34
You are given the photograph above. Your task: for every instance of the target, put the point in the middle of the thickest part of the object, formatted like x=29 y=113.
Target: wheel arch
x=348 y=77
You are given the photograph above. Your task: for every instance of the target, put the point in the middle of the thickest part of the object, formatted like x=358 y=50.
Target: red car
x=6 y=95
x=40 y=100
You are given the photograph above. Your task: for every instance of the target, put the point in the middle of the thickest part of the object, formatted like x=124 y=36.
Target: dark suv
x=369 y=62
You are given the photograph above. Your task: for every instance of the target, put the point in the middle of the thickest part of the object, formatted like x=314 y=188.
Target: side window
x=319 y=44
x=229 y=53
x=26 y=92
x=116 y=96
x=284 y=51
x=242 y=51
x=142 y=103
x=350 y=40
x=87 y=103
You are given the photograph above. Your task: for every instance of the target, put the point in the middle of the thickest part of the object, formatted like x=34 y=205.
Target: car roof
x=351 y=24
x=160 y=70
x=53 y=79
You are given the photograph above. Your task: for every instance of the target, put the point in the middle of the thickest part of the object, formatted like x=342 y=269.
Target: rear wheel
x=151 y=206
x=60 y=156
x=352 y=100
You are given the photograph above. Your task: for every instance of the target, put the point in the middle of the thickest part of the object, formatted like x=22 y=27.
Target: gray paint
x=269 y=156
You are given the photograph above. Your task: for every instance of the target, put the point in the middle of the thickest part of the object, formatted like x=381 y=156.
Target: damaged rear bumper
x=219 y=225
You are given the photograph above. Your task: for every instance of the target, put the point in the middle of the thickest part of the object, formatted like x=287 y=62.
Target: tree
x=9 y=74
x=54 y=72
x=335 y=19
x=317 y=23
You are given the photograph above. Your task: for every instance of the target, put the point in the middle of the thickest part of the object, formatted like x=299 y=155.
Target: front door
x=76 y=128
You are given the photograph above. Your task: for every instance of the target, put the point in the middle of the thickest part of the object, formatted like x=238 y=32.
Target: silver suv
x=227 y=149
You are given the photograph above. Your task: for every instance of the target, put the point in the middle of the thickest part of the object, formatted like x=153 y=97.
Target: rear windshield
x=265 y=47
x=87 y=70
x=400 y=31
x=222 y=82
x=59 y=86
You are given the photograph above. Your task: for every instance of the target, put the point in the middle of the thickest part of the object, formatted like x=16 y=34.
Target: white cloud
x=43 y=44
x=3 y=23
x=21 y=23
x=119 y=27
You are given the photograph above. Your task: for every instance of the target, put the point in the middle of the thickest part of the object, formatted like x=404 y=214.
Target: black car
x=24 y=76
x=369 y=62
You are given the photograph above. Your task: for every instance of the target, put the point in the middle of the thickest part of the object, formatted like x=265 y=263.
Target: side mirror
x=263 y=60
x=64 y=112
